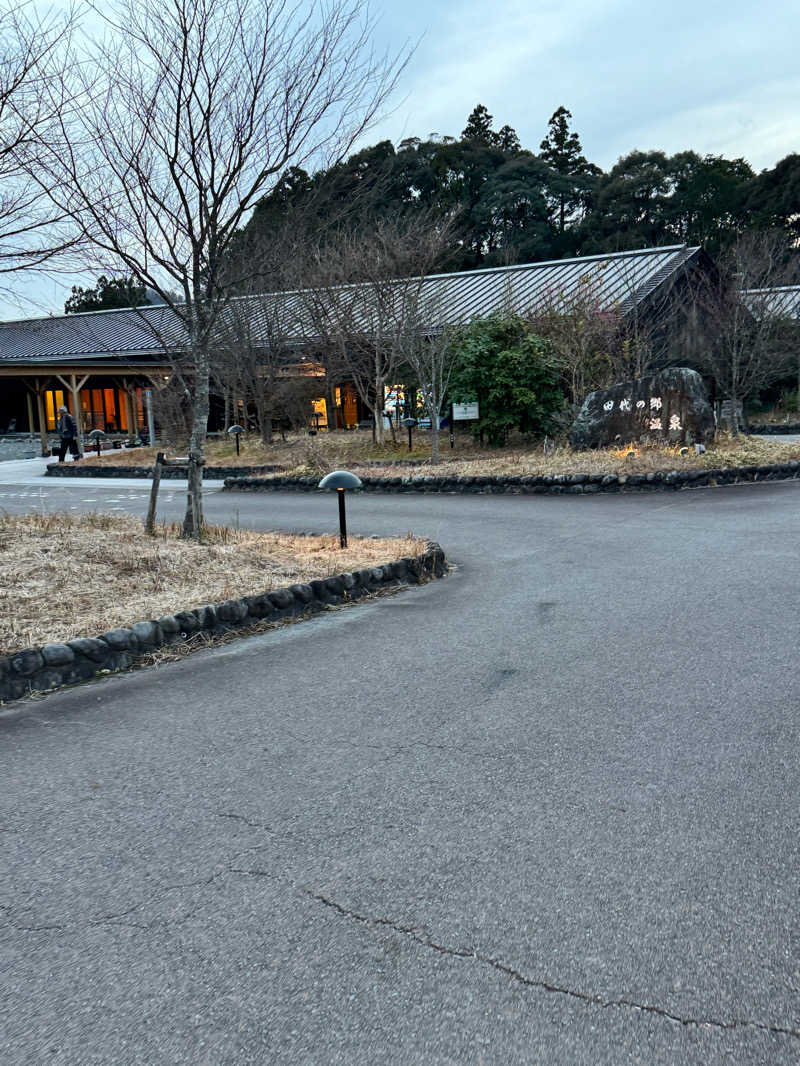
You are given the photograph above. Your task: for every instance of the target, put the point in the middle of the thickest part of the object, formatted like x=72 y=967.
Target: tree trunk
x=264 y=413
x=435 y=438
x=734 y=422
x=377 y=407
x=193 y=519
x=378 y=429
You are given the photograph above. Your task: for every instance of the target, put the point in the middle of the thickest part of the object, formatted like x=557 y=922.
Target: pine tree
x=561 y=150
x=479 y=127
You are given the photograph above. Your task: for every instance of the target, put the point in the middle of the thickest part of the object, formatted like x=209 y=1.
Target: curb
x=52 y=666
x=553 y=485
x=167 y=472
x=774 y=429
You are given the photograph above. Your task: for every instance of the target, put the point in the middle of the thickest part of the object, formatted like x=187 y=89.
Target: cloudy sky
x=718 y=76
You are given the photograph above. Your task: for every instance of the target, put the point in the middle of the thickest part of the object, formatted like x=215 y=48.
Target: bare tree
x=369 y=300
x=32 y=233
x=189 y=111
x=433 y=355
x=741 y=342
x=584 y=333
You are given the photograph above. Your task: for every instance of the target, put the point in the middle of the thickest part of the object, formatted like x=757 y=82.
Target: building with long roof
x=98 y=363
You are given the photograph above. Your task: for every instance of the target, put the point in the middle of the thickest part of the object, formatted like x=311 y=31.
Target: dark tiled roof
x=620 y=281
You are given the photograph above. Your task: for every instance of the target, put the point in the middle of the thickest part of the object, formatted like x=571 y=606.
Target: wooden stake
x=150 y=521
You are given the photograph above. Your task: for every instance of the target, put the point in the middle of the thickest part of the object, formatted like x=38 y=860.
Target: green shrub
x=513 y=374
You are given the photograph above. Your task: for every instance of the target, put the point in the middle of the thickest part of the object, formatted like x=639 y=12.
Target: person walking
x=68 y=432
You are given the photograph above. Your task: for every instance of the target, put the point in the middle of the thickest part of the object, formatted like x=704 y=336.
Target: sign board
x=727 y=409
x=464 y=412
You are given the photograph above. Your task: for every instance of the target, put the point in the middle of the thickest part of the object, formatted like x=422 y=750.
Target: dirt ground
x=64 y=576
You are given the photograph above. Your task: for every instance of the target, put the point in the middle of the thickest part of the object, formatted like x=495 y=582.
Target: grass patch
x=304 y=456
x=64 y=575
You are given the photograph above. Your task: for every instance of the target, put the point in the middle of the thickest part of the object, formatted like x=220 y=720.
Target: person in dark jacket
x=68 y=432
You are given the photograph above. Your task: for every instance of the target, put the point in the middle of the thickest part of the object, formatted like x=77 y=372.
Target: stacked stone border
x=87 y=469
x=546 y=484
x=53 y=665
x=774 y=429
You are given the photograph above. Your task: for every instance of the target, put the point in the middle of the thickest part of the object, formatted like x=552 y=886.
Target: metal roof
x=136 y=333
x=618 y=282
x=783 y=301
x=615 y=282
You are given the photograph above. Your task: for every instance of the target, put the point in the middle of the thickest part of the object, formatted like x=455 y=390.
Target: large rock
x=670 y=406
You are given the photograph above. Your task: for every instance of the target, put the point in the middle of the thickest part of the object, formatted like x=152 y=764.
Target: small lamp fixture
x=236 y=431
x=409 y=424
x=339 y=481
x=95 y=437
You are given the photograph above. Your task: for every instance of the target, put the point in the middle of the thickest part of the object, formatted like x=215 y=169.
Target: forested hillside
x=510 y=204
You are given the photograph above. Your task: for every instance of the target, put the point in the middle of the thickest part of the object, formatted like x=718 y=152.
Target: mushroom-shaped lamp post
x=236 y=431
x=95 y=437
x=409 y=423
x=340 y=480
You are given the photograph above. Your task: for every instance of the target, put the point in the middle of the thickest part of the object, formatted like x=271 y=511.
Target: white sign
x=463 y=412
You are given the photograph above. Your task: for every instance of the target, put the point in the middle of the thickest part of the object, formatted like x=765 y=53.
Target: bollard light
x=96 y=436
x=236 y=431
x=409 y=423
x=339 y=481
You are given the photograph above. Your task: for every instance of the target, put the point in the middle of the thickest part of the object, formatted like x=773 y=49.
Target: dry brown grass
x=64 y=575
x=305 y=456
x=325 y=451
x=629 y=458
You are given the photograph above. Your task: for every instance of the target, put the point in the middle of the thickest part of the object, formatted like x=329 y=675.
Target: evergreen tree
x=479 y=127
x=561 y=150
x=108 y=293
x=512 y=372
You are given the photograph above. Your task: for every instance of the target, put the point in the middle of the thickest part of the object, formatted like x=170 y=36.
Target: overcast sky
x=714 y=76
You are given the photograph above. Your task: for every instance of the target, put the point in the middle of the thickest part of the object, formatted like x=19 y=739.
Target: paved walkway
x=543 y=811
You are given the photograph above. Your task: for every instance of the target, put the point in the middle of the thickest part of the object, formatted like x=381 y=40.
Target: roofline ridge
x=81 y=314
x=631 y=253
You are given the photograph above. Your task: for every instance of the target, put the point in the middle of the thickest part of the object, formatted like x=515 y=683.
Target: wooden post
x=30 y=412
x=150 y=521
x=77 y=414
x=42 y=419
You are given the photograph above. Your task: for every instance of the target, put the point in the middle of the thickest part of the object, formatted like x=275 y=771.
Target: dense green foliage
x=511 y=372
x=107 y=294
x=515 y=205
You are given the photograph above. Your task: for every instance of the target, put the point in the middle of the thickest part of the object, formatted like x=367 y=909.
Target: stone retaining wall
x=555 y=484
x=772 y=429
x=87 y=469
x=54 y=665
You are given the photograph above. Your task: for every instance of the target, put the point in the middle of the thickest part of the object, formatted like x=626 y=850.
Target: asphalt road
x=543 y=811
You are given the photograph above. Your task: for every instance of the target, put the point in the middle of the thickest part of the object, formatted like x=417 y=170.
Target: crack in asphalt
x=419 y=937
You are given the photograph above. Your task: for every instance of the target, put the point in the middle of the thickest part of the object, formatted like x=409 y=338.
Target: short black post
x=409 y=423
x=97 y=446
x=342 y=520
x=236 y=431
x=340 y=480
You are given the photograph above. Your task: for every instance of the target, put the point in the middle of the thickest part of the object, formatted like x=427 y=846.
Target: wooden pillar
x=42 y=420
x=76 y=408
x=133 y=424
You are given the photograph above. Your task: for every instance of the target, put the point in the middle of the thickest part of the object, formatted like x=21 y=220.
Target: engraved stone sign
x=670 y=406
